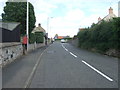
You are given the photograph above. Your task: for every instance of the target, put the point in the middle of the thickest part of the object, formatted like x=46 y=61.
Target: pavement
x=14 y=75
x=62 y=65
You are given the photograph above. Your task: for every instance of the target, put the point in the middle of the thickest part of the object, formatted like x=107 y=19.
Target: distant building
x=99 y=19
x=119 y=9
x=56 y=36
x=61 y=37
x=82 y=29
x=38 y=29
x=110 y=16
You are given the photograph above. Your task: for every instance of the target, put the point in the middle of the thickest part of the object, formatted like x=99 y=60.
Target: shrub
x=39 y=37
x=32 y=38
x=102 y=37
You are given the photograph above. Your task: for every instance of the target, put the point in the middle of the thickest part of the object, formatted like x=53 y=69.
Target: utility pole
x=27 y=25
x=48 y=20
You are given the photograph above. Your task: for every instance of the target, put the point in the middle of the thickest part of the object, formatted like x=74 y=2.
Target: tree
x=16 y=12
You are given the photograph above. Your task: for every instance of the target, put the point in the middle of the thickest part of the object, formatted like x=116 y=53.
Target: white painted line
x=66 y=49
x=29 y=80
x=73 y=54
x=108 y=78
x=62 y=45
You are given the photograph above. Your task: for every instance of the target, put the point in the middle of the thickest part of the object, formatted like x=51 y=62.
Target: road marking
x=66 y=49
x=29 y=80
x=73 y=54
x=108 y=78
x=69 y=52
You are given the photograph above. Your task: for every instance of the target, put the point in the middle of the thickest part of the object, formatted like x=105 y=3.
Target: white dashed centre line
x=108 y=78
x=66 y=49
x=73 y=54
x=69 y=52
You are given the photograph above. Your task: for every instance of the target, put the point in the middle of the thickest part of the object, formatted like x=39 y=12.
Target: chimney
x=99 y=19
x=39 y=25
x=110 y=11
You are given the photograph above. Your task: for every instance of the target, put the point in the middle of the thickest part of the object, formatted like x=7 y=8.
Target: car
x=63 y=40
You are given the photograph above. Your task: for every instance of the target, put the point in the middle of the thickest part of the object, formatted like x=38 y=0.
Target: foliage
x=16 y=12
x=102 y=37
x=39 y=37
x=32 y=38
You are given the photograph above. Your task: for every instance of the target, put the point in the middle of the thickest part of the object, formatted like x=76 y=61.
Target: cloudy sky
x=66 y=16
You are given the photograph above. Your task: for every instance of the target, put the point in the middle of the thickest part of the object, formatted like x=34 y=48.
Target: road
x=62 y=65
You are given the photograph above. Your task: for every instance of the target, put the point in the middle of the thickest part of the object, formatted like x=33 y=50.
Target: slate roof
x=9 y=25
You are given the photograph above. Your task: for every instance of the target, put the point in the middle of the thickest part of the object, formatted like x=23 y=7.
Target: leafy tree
x=17 y=12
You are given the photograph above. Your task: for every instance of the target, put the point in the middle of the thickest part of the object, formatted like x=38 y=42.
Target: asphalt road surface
x=62 y=66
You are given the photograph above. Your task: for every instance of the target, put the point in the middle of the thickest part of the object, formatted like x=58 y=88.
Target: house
x=10 y=32
x=61 y=37
x=44 y=36
x=82 y=29
x=110 y=16
x=38 y=29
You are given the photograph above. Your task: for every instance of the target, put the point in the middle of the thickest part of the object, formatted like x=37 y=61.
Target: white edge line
x=73 y=54
x=98 y=71
x=27 y=83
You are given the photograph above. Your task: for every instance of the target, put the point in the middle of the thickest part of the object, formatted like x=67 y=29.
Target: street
x=62 y=65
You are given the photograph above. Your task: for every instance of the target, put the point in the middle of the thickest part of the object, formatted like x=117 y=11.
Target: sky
x=65 y=17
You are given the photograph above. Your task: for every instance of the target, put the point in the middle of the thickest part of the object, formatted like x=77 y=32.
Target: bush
x=102 y=37
x=39 y=37
x=32 y=38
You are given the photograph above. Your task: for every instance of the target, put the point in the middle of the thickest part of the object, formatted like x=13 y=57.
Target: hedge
x=38 y=37
x=102 y=37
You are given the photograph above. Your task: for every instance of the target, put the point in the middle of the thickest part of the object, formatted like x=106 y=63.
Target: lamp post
x=27 y=25
x=48 y=20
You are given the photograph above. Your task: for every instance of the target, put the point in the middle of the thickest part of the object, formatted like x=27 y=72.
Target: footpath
x=15 y=74
x=13 y=51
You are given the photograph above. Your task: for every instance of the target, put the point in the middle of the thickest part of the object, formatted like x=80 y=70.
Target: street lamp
x=27 y=25
x=48 y=20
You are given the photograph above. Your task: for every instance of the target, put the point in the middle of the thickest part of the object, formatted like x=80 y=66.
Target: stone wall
x=10 y=52
x=34 y=46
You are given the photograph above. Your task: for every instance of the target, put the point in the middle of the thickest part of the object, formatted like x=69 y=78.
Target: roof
x=81 y=29
x=9 y=25
x=38 y=29
x=109 y=16
x=60 y=37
